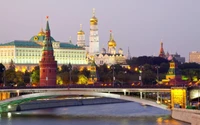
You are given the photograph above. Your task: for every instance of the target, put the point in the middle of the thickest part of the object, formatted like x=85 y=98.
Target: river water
x=107 y=114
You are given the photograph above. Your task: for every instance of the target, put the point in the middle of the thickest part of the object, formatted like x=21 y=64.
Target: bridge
x=124 y=93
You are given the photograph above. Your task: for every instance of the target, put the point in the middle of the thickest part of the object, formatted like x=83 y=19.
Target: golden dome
x=80 y=32
x=41 y=33
x=111 y=42
x=93 y=20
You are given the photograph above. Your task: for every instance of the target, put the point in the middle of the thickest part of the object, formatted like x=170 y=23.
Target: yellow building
x=26 y=54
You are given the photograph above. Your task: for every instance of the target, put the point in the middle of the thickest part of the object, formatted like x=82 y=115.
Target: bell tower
x=94 y=36
x=48 y=65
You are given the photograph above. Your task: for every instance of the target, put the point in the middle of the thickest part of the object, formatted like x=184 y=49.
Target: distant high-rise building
x=194 y=57
x=94 y=36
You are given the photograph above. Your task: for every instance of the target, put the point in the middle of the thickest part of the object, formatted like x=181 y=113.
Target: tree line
x=150 y=69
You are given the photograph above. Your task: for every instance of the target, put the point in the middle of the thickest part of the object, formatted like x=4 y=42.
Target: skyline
x=134 y=23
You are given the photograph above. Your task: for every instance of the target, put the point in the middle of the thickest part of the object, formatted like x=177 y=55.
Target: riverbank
x=187 y=115
x=42 y=104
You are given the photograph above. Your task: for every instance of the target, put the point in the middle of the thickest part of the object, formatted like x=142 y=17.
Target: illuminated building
x=48 y=65
x=173 y=76
x=26 y=54
x=194 y=57
x=94 y=37
x=111 y=56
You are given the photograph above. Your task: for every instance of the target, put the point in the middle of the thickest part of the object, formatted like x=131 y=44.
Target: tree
x=10 y=76
x=11 y=65
x=85 y=72
x=148 y=77
x=82 y=79
x=35 y=76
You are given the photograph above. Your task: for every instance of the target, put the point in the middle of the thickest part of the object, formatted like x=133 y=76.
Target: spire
x=111 y=35
x=47 y=25
x=129 y=54
x=162 y=53
x=80 y=27
x=70 y=39
x=47 y=41
x=93 y=12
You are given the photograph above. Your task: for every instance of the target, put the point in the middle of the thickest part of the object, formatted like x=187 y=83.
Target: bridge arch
x=34 y=96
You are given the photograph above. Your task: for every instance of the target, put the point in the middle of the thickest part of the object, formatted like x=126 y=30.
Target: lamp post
x=198 y=98
x=157 y=69
x=113 y=68
x=70 y=68
x=140 y=77
x=4 y=70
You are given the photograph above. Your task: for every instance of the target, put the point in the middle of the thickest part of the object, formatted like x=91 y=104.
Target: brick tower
x=162 y=53
x=48 y=65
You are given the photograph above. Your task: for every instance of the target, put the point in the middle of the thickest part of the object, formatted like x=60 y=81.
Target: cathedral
x=110 y=56
x=26 y=54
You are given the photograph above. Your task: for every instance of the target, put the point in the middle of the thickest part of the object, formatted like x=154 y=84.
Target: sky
x=137 y=24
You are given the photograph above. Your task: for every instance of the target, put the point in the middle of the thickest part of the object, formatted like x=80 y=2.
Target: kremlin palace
x=26 y=54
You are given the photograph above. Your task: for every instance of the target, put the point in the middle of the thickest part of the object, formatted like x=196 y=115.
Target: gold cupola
x=80 y=32
x=41 y=33
x=111 y=42
x=93 y=20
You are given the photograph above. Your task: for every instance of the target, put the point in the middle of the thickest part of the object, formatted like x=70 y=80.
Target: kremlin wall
x=26 y=54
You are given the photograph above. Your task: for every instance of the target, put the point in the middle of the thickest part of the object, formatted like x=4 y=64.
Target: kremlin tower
x=94 y=37
x=48 y=65
x=162 y=53
x=111 y=44
x=81 y=37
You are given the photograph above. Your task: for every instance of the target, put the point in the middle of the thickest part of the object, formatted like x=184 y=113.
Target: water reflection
x=109 y=114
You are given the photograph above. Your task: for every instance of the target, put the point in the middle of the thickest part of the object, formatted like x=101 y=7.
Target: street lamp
x=157 y=68
x=70 y=68
x=4 y=70
x=113 y=68
x=140 y=77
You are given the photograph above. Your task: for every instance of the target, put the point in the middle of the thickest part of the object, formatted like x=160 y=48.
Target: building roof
x=21 y=43
x=69 y=45
x=41 y=38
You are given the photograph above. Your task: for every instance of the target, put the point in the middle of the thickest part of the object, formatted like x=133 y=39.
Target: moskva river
x=107 y=114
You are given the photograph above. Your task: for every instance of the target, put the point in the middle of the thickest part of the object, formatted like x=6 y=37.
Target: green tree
x=148 y=77
x=35 y=76
x=85 y=72
x=82 y=79
x=10 y=76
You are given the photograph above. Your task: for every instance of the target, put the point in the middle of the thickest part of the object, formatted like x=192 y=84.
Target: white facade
x=81 y=37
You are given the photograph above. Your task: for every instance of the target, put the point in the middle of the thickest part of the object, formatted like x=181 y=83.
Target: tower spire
x=80 y=26
x=129 y=54
x=47 y=25
x=111 y=35
x=47 y=41
x=162 y=53
x=70 y=39
x=93 y=12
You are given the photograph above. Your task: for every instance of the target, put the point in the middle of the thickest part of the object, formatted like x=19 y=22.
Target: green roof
x=40 y=38
x=21 y=43
x=69 y=45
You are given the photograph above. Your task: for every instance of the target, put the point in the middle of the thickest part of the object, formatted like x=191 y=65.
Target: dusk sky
x=137 y=24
